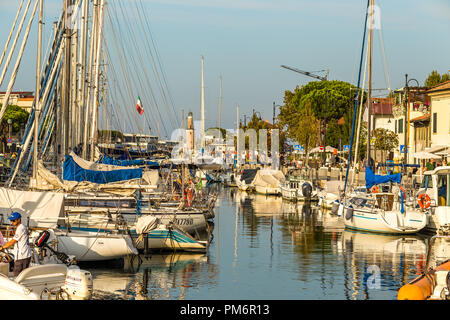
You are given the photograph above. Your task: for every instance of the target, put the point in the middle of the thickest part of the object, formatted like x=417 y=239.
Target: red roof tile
x=441 y=86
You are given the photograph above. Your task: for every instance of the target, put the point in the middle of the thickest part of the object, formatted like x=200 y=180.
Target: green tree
x=385 y=140
x=18 y=116
x=327 y=102
x=434 y=78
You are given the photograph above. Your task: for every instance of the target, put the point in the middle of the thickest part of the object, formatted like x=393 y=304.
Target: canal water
x=265 y=248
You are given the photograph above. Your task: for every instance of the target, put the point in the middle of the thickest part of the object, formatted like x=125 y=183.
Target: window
x=427 y=182
x=395 y=126
x=400 y=126
x=443 y=189
x=435 y=122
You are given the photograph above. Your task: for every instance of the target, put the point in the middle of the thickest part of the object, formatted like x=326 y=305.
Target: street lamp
x=9 y=132
x=406 y=101
x=274 y=106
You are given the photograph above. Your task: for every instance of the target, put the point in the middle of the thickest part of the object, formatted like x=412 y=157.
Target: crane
x=309 y=74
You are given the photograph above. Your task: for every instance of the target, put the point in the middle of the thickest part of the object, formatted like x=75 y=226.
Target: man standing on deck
x=22 y=250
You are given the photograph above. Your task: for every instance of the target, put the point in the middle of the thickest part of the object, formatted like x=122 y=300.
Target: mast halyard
x=202 y=111
x=37 y=95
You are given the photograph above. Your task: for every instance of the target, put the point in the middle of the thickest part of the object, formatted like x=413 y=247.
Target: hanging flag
x=139 y=106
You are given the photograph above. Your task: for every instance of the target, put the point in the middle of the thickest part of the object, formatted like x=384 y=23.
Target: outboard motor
x=41 y=242
x=78 y=284
x=307 y=190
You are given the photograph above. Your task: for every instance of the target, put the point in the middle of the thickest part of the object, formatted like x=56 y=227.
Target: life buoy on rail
x=375 y=189
x=188 y=196
x=424 y=203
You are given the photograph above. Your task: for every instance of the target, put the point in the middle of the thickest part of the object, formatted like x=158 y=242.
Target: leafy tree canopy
x=327 y=101
x=18 y=116
x=385 y=139
x=434 y=78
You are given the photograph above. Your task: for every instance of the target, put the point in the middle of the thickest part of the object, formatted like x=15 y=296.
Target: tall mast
x=10 y=33
x=16 y=66
x=37 y=100
x=13 y=46
x=96 y=79
x=87 y=103
x=237 y=135
x=81 y=100
x=220 y=104
x=203 y=107
x=369 y=85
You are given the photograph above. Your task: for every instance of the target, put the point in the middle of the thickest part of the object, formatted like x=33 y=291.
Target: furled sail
x=373 y=179
x=78 y=169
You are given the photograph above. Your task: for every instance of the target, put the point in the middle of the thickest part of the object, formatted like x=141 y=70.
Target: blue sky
x=246 y=41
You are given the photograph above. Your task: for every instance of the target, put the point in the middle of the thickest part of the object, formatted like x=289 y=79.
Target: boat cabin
x=435 y=183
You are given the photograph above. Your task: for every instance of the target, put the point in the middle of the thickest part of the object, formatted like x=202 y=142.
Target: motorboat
x=298 y=189
x=52 y=275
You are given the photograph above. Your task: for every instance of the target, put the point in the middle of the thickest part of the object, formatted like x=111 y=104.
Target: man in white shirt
x=22 y=250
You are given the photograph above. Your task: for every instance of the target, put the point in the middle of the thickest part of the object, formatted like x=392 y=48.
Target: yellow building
x=23 y=99
x=440 y=115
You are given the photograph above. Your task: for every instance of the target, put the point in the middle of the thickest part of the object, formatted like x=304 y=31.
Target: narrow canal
x=267 y=248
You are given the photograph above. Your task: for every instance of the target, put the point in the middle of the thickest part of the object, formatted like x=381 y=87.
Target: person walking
x=20 y=241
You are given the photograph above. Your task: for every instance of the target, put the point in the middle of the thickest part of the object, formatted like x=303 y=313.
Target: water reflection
x=158 y=276
x=375 y=263
x=267 y=248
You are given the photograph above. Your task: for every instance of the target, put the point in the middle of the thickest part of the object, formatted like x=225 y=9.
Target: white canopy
x=425 y=155
x=327 y=149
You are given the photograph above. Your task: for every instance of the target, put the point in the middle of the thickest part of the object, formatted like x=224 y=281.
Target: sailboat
x=382 y=208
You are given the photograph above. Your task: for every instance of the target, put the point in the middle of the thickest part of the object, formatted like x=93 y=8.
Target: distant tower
x=190 y=133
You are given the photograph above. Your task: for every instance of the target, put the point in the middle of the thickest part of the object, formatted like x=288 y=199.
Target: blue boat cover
x=373 y=179
x=123 y=163
x=72 y=171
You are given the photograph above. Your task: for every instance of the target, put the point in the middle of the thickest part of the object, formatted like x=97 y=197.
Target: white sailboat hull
x=391 y=222
x=95 y=246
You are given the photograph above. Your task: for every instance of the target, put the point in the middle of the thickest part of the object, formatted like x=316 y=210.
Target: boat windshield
x=443 y=190
x=427 y=182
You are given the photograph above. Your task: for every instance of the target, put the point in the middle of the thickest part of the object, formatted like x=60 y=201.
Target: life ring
x=424 y=204
x=188 y=196
x=375 y=189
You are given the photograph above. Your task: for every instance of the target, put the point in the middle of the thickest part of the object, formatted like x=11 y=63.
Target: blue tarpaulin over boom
x=72 y=171
x=373 y=179
x=123 y=163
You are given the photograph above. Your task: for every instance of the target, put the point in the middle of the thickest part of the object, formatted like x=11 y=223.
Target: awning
x=425 y=117
x=425 y=155
x=436 y=149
